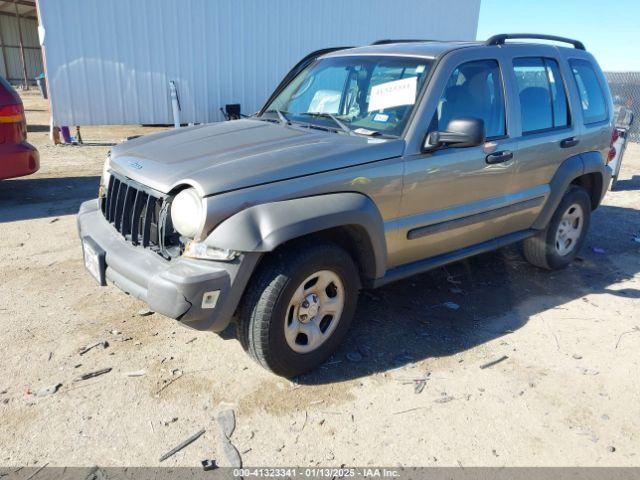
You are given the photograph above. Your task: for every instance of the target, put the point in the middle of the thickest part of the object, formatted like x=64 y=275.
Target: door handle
x=569 y=142
x=499 y=157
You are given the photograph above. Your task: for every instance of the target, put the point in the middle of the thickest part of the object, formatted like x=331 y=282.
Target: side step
x=409 y=269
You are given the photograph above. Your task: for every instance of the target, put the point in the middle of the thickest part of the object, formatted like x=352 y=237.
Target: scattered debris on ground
x=50 y=390
x=494 y=362
x=635 y=329
x=101 y=343
x=419 y=384
x=89 y=375
x=209 y=465
x=182 y=445
x=227 y=424
x=177 y=374
x=444 y=398
x=408 y=410
x=145 y=312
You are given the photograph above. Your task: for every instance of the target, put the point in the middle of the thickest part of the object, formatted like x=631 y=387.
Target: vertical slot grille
x=133 y=212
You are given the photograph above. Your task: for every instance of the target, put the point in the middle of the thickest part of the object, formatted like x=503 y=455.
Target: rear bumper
x=18 y=160
x=175 y=289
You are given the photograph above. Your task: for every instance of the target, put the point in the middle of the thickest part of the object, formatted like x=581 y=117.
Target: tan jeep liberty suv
x=365 y=166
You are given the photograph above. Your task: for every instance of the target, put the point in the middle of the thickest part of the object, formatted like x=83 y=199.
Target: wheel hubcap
x=314 y=311
x=309 y=309
x=569 y=229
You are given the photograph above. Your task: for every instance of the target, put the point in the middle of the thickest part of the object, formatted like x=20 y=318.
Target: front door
x=457 y=197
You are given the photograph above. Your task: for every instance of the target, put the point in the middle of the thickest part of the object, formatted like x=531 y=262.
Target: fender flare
x=264 y=227
x=572 y=168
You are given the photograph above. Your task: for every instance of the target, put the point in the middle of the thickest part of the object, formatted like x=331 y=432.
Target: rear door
x=545 y=116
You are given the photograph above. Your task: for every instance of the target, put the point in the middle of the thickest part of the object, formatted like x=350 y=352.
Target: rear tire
x=556 y=246
x=298 y=308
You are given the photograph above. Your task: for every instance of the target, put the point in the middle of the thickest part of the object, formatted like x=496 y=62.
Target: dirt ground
x=568 y=393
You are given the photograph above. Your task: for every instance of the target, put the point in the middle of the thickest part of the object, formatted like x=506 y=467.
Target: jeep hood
x=225 y=156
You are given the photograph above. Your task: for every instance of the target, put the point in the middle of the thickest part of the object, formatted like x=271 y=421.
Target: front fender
x=264 y=227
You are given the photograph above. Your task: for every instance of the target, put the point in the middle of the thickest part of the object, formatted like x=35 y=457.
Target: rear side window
x=543 y=99
x=474 y=90
x=594 y=107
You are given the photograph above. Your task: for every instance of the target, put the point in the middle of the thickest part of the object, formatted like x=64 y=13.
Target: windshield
x=367 y=94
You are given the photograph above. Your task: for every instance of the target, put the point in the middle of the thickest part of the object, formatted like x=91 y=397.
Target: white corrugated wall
x=110 y=61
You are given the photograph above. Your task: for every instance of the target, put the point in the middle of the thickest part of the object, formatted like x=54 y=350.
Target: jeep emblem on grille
x=136 y=165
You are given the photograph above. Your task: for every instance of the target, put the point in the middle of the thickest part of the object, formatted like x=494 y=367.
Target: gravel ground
x=567 y=393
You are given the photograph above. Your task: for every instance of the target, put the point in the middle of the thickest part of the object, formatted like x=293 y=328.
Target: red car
x=17 y=157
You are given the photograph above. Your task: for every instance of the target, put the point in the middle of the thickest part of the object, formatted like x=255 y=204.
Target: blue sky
x=609 y=29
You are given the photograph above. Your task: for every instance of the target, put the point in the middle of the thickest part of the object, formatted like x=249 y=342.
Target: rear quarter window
x=592 y=99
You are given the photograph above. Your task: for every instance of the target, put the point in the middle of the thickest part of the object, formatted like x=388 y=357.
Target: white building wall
x=110 y=61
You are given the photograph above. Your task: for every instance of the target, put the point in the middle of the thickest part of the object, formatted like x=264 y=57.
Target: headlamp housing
x=186 y=212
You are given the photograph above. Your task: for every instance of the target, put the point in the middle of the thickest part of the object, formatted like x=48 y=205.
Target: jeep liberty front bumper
x=201 y=294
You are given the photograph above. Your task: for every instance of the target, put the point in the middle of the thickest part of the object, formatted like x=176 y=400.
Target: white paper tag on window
x=393 y=94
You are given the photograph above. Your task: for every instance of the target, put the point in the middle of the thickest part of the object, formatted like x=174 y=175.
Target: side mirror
x=460 y=133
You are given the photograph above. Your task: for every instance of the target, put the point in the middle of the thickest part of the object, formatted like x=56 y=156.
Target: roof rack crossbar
x=500 y=39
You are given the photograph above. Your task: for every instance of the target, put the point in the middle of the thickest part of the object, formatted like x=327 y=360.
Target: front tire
x=298 y=307
x=556 y=246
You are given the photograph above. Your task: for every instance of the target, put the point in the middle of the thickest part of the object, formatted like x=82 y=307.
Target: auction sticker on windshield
x=393 y=94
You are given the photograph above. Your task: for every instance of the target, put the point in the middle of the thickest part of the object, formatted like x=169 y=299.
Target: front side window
x=474 y=90
x=543 y=100
x=368 y=94
x=594 y=107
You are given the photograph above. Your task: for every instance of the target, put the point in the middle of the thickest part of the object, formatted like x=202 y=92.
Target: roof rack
x=386 y=41
x=500 y=39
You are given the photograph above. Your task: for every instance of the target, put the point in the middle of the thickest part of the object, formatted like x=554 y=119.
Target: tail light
x=612 y=149
x=13 y=124
x=12 y=114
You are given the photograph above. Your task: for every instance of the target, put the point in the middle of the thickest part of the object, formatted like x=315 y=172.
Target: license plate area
x=94 y=260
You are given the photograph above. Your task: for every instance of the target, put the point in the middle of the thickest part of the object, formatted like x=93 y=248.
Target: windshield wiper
x=335 y=119
x=281 y=116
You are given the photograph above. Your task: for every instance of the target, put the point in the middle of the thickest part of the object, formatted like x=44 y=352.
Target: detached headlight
x=186 y=212
x=205 y=252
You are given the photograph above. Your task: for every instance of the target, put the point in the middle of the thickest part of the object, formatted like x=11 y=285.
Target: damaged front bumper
x=201 y=294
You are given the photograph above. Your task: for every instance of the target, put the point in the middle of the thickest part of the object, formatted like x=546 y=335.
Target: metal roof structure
x=20 y=53
x=26 y=8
